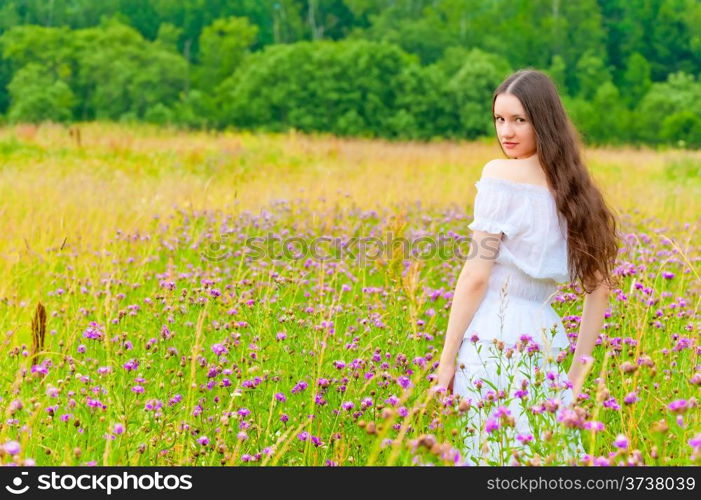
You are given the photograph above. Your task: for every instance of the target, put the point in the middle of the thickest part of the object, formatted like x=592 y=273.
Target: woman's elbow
x=473 y=283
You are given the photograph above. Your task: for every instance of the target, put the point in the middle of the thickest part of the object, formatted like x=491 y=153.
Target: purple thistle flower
x=244 y=412
x=280 y=397
x=594 y=426
x=621 y=442
x=695 y=442
x=118 y=429
x=630 y=398
x=348 y=405
x=284 y=417
x=219 y=349
x=12 y=448
x=404 y=382
x=491 y=425
x=678 y=406
x=303 y=436
x=138 y=389
x=525 y=438
x=131 y=365
x=94 y=331
x=203 y=440
x=153 y=405
x=392 y=400
x=299 y=387
x=502 y=411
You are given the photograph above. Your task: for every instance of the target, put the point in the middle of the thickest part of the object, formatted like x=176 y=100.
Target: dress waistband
x=516 y=283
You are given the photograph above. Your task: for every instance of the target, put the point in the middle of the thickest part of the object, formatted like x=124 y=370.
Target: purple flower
x=94 y=331
x=695 y=442
x=280 y=397
x=281 y=336
x=153 y=404
x=392 y=400
x=130 y=365
x=491 y=425
x=203 y=440
x=621 y=442
x=525 y=438
x=348 y=405
x=138 y=389
x=678 y=406
x=404 y=382
x=284 y=417
x=12 y=448
x=219 y=349
x=244 y=412
x=594 y=426
x=630 y=398
x=502 y=411
x=118 y=429
x=299 y=387
x=303 y=436
x=667 y=275
x=81 y=348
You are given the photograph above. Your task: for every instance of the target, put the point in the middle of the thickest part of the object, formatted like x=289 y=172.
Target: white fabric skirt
x=511 y=392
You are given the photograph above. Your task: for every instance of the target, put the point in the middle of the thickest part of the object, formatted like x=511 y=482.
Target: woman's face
x=516 y=134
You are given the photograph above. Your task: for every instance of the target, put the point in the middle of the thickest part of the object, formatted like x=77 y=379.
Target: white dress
x=531 y=262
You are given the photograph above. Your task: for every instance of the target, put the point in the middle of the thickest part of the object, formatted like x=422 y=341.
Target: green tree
x=223 y=46
x=591 y=73
x=636 y=80
x=38 y=95
x=680 y=93
x=472 y=88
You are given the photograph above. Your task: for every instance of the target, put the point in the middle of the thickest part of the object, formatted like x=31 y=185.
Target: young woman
x=539 y=220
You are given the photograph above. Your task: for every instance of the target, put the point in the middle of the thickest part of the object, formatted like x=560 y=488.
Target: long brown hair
x=592 y=236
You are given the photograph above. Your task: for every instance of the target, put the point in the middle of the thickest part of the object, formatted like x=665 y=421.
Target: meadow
x=150 y=315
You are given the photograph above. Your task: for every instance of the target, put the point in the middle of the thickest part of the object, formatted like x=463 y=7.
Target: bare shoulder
x=521 y=171
x=501 y=169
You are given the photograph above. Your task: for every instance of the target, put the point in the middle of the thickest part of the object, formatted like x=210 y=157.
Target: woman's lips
x=509 y=145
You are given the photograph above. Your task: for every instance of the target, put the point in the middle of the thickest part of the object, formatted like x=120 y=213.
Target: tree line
x=405 y=69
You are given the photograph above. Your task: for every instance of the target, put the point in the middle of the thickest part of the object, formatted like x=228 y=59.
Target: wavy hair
x=592 y=227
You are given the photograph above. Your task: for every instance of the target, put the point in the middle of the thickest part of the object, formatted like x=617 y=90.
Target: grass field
x=141 y=326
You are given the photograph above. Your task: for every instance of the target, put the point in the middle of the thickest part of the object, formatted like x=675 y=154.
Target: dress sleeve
x=494 y=209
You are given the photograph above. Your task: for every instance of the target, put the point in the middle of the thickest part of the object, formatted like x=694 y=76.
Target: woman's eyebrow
x=517 y=115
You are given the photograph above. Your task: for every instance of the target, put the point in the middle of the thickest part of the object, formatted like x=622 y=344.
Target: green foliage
x=223 y=45
x=344 y=88
x=473 y=86
x=194 y=62
x=38 y=95
x=679 y=94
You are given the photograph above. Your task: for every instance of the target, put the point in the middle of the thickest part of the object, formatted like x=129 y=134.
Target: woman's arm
x=467 y=298
x=595 y=305
x=469 y=291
